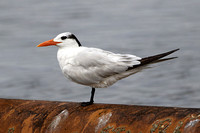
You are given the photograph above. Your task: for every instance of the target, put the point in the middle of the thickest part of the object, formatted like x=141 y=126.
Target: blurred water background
x=137 y=27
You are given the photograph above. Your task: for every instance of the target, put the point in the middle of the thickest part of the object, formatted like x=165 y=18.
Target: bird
x=94 y=67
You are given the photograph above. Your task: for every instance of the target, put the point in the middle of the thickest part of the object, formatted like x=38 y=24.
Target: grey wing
x=93 y=65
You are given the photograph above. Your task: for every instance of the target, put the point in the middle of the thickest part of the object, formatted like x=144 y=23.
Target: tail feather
x=165 y=59
x=154 y=59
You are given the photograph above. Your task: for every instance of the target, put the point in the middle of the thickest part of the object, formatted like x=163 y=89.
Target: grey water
x=137 y=27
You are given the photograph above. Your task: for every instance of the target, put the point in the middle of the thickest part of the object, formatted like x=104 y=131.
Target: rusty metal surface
x=30 y=116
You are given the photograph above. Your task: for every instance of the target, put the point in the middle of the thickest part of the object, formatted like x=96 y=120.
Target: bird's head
x=65 y=39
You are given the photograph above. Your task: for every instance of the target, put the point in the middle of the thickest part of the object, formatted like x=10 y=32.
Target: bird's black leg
x=92 y=95
x=91 y=99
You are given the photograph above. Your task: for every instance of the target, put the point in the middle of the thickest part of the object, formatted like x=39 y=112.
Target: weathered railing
x=30 y=116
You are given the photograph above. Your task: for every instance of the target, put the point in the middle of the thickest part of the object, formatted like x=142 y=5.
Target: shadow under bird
x=95 y=67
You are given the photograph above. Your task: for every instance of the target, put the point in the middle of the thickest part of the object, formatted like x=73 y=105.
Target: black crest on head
x=72 y=36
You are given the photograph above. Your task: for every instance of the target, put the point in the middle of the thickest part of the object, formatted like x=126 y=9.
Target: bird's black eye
x=63 y=37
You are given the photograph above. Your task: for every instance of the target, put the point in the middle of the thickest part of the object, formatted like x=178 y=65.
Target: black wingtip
x=172 y=51
x=164 y=54
x=165 y=59
x=155 y=58
x=150 y=59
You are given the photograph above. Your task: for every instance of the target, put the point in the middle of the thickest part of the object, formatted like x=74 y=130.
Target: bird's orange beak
x=48 y=43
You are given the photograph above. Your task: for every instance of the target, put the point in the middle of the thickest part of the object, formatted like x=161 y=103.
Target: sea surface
x=137 y=27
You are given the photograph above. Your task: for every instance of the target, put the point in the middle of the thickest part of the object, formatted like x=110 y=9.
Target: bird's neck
x=67 y=52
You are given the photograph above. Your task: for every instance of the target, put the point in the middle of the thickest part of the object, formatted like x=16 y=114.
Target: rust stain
x=8 y=114
x=27 y=124
x=112 y=129
x=178 y=127
x=11 y=130
x=161 y=125
x=103 y=121
x=192 y=124
x=30 y=116
x=54 y=126
x=94 y=117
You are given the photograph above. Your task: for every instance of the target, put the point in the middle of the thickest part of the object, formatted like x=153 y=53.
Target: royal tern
x=95 y=67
